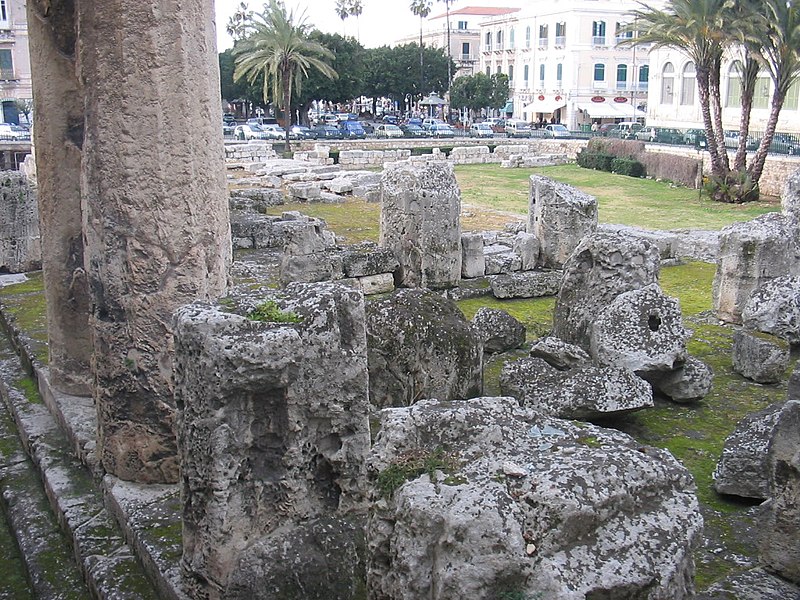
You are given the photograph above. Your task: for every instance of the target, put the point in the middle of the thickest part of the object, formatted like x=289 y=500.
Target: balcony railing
x=560 y=40
x=543 y=43
x=598 y=40
x=622 y=86
x=466 y=58
x=487 y=48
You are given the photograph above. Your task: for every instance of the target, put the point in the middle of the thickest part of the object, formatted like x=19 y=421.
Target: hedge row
x=601 y=161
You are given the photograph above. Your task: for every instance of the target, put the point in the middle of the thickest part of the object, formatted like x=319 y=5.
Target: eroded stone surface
x=560 y=216
x=20 y=248
x=526 y=284
x=743 y=468
x=527 y=504
x=688 y=382
x=421 y=346
x=558 y=353
x=274 y=424
x=420 y=223
x=583 y=392
x=775 y=308
x=498 y=330
x=759 y=357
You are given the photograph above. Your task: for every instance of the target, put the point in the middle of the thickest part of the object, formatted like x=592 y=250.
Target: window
x=6 y=64
x=688 y=82
x=543 y=36
x=465 y=51
x=4 y=14
x=760 y=97
x=525 y=74
x=599 y=33
x=510 y=74
x=599 y=75
x=733 y=97
x=528 y=36
x=561 y=34
x=622 y=35
x=792 y=96
x=488 y=71
x=644 y=76
x=622 y=77
x=511 y=39
x=541 y=74
x=559 y=73
x=667 y=83
x=499 y=68
x=462 y=25
x=499 y=39
x=488 y=41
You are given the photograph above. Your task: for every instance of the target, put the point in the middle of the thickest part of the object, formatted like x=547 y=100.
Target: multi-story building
x=464 y=34
x=15 y=66
x=673 y=99
x=565 y=63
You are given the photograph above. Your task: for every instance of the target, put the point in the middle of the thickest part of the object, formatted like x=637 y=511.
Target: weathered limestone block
x=753 y=583
x=579 y=511
x=526 y=284
x=255 y=199
x=499 y=258
x=584 y=392
x=368 y=258
x=743 y=468
x=790 y=198
x=420 y=223
x=760 y=357
x=376 y=284
x=308 y=254
x=421 y=346
x=641 y=330
x=688 y=382
x=602 y=267
x=307 y=190
x=155 y=237
x=559 y=354
x=751 y=254
x=560 y=216
x=526 y=246
x=20 y=246
x=775 y=308
x=274 y=425
x=473 y=262
x=779 y=521
x=498 y=330
x=58 y=103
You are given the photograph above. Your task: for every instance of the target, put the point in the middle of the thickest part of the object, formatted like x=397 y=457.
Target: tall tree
x=278 y=47
x=421 y=8
x=350 y=8
x=238 y=20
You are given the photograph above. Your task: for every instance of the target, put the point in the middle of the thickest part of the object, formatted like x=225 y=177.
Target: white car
x=388 y=131
x=556 y=130
x=274 y=132
x=481 y=130
x=249 y=132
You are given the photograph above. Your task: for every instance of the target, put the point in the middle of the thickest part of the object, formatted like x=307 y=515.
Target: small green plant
x=411 y=465
x=627 y=166
x=269 y=312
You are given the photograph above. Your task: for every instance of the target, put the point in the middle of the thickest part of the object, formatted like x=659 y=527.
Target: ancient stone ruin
x=20 y=248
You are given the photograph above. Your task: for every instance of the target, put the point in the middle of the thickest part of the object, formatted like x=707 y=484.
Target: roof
x=480 y=11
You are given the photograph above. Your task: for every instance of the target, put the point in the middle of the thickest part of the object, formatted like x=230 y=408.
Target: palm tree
x=698 y=28
x=421 y=8
x=779 y=44
x=278 y=46
x=350 y=8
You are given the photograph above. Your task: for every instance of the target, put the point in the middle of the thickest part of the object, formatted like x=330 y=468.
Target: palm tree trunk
x=421 y=65
x=287 y=105
x=757 y=164
x=716 y=113
x=711 y=137
x=748 y=79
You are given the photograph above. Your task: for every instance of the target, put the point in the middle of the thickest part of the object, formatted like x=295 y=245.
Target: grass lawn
x=621 y=199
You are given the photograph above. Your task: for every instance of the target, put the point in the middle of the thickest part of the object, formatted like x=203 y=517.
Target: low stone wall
x=371 y=158
x=249 y=152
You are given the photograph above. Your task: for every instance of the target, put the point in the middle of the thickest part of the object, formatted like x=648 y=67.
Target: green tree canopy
x=393 y=72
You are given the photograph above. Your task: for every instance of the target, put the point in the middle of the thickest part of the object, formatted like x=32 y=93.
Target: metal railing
x=598 y=40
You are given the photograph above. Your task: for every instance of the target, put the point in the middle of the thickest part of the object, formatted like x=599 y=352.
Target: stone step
x=109 y=567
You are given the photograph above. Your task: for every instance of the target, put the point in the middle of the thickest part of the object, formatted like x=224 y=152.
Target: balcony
x=498 y=47
x=560 y=41
x=598 y=40
x=7 y=75
x=621 y=86
x=543 y=43
x=466 y=59
x=487 y=48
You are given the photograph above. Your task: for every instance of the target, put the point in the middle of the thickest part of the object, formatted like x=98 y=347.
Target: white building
x=673 y=99
x=15 y=65
x=564 y=64
x=465 y=34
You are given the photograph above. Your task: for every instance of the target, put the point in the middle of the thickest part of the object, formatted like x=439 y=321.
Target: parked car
x=605 y=128
x=625 y=130
x=9 y=131
x=327 y=132
x=427 y=124
x=388 y=131
x=482 y=129
x=368 y=127
x=414 y=121
x=782 y=143
x=249 y=132
x=556 y=130
x=301 y=132
x=352 y=130
x=441 y=130
x=274 y=132
x=731 y=139
x=669 y=135
x=516 y=128
x=497 y=124
x=390 y=119
x=228 y=128
x=647 y=134
x=695 y=137
x=229 y=118
x=413 y=130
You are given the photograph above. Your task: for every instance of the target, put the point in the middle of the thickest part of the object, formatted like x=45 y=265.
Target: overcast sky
x=381 y=23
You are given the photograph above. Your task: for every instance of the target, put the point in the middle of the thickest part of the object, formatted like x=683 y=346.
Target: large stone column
x=58 y=137
x=156 y=214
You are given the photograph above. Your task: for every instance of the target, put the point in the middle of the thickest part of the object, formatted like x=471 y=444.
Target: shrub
x=628 y=166
x=683 y=170
x=737 y=187
x=270 y=312
x=594 y=160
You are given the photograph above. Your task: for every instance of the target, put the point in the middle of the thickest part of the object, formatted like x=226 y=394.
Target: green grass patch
x=29 y=388
x=270 y=312
x=412 y=464
x=625 y=200
x=354 y=220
